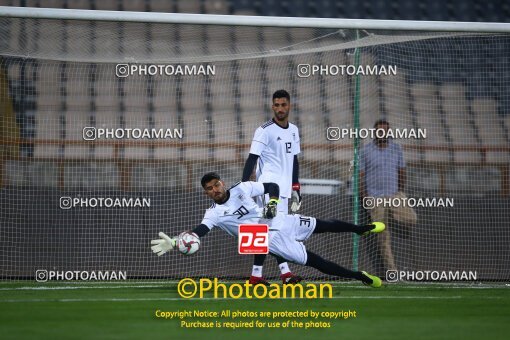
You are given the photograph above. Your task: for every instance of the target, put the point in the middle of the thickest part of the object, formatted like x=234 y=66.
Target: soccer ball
x=188 y=243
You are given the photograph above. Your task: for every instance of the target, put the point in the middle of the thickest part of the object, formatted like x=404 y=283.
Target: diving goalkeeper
x=236 y=206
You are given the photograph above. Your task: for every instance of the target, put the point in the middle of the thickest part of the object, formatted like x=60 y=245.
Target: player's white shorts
x=286 y=236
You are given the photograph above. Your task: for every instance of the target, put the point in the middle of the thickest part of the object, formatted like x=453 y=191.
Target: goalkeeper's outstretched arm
x=201 y=230
x=166 y=243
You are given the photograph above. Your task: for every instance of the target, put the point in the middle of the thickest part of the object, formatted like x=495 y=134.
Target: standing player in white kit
x=275 y=147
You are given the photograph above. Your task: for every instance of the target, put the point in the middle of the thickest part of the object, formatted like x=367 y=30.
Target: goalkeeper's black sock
x=337 y=226
x=259 y=259
x=331 y=268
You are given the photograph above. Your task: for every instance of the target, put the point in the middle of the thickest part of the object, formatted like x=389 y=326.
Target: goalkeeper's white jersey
x=240 y=208
x=276 y=147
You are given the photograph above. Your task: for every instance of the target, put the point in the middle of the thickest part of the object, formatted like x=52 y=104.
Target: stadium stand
x=450 y=108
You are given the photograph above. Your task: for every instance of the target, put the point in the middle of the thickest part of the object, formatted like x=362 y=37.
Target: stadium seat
x=338 y=100
x=50 y=42
x=187 y=6
x=314 y=144
x=14 y=71
x=247 y=39
x=106 y=120
x=136 y=94
x=301 y=36
x=196 y=131
x=77 y=90
x=250 y=122
x=107 y=5
x=135 y=46
x=436 y=10
x=191 y=40
x=222 y=96
x=136 y=120
x=274 y=38
x=369 y=100
x=308 y=96
x=436 y=134
x=414 y=155
x=395 y=95
x=340 y=109
x=453 y=99
x=506 y=122
x=79 y=4
x=134 y=5
x=350 y=9
x=77 y=43
x=48 y=102
x=165 y=95
x=490 y=129
x=488 y=122
x=105 y=101
x=75 y=121
x=219 y=40
x=324 y=9
x=217 y=7
x=45 y=3
x=193 y=95
x=48 y=127
x=48 y=85
x=226 y=130
x=162 y=6
x=248 y=12
x=107 y=44
x=167 y=120
x=460 y=156
x=461 y=133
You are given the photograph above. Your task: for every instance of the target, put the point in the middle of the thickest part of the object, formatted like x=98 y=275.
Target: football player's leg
x=285 y=274
x=338 y=226
x=258 y=259
x=331 y=268
x=256 y=273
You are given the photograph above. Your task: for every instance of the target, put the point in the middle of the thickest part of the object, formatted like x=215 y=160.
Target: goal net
x=107 y=127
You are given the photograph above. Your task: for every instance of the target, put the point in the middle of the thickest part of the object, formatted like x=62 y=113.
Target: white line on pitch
x=215 y=299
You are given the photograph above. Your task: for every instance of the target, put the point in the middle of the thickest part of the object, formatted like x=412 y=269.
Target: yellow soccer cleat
x=376 y=282
x=379 y=227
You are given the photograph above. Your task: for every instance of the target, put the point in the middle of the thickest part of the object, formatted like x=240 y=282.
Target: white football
x=188 y=243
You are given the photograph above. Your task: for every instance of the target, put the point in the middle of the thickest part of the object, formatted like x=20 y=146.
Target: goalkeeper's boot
x=257 y=280
x=371 y=280
x=289 y=278
x=377 y=227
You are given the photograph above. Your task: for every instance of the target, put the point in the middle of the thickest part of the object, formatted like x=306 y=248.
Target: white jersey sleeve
x=297 y=150
x=253 y=189
x=211 y=217
x=259 y=142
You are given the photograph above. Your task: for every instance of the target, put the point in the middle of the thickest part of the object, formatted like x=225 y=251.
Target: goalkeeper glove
x=270 y=208
x=295 y=199
x=164 y=244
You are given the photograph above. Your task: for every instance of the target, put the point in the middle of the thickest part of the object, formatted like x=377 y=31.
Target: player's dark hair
x=381 y=122
x=281 y=94
x=209 y=177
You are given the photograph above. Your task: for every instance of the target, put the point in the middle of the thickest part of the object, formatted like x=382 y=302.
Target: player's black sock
x=331 y=268
x=280 y=260
x=337 y=226
x=258 y=260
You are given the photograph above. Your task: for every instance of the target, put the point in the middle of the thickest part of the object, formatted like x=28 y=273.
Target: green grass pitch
x=92 y=310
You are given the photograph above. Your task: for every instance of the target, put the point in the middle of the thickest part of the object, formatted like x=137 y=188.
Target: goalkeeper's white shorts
x=287 y=240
